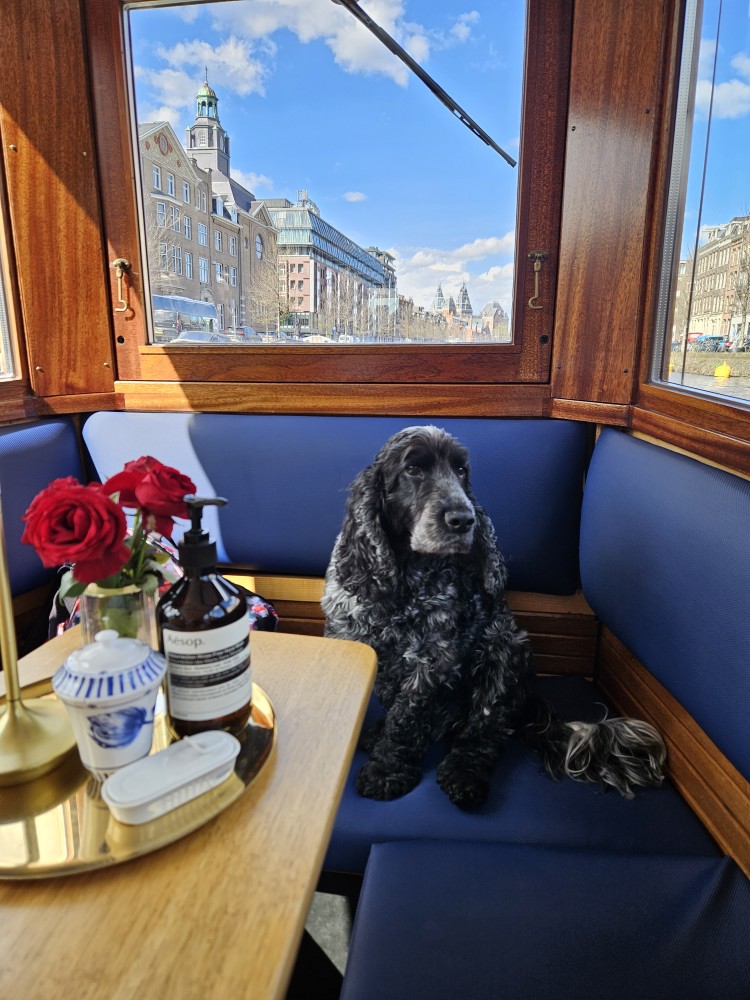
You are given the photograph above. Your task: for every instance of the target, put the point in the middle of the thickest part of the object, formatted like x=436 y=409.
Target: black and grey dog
x=416 y=574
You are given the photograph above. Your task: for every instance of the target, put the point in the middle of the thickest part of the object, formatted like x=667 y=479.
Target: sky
x=312 y=100
x=719 y=178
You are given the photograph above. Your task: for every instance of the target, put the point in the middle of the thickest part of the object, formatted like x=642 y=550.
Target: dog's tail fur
x=615 y=753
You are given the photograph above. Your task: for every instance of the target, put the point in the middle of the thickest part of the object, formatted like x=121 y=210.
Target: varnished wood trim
x=346 y=363
x=615 y=87
x=391 y=400
x=45 y=406
x=713 y=787
x=725 y=447
x=615 y=414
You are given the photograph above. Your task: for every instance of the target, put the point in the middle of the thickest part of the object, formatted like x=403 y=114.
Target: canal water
x=736 y=386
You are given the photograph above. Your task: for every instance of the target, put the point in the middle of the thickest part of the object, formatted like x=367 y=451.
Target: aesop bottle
x=205 y=637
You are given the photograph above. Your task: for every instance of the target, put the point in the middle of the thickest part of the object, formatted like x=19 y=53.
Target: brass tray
x=60 y=825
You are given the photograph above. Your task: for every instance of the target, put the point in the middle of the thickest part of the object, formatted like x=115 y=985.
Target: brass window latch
x=537 y=256
x=121 y=265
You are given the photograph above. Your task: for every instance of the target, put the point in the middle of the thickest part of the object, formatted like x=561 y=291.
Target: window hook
x=537 y=256
x=121 y=265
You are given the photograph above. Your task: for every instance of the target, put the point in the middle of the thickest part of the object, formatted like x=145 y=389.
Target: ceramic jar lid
x=111 y=669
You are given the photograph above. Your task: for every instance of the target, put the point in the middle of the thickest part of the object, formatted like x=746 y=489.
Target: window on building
x=702 y=339
x=217 y=269
x=177 y=259
x=217 y=240
x=188 y=264
x=170 y=184
x=188 y=226
x=203 y=234
x=174 y=218
x=164 y=257
x=203 y=270
x=233 y=246
x=186 y=192
x=232 y=275
x=161 y=214
x=156 y=176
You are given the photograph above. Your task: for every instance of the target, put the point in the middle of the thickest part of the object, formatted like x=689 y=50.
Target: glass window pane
x=704 y=340
x=353 y=181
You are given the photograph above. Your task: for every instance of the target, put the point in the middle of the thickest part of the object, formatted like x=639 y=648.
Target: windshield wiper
x=353 y=7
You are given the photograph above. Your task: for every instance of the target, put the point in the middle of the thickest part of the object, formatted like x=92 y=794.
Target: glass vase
x=130 y=611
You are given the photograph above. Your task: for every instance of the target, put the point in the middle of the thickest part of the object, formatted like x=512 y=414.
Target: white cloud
x=462 y=28
x=421 y=270
x=731 y=98
x=250 y=180
x=355 y=196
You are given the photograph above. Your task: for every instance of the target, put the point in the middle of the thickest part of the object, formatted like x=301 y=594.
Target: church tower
x=464 y=303
x=205 y=139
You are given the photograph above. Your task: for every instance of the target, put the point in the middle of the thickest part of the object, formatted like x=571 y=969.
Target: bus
x=175 y=315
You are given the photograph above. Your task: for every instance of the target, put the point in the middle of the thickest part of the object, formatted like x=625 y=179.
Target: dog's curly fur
x=416 y=573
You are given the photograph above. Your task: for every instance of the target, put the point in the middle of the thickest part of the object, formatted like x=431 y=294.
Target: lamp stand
x=34 y=735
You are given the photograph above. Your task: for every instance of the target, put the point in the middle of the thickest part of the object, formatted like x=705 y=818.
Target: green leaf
x=69 y=586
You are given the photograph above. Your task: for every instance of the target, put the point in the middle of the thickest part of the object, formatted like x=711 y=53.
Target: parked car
x=201 y=337
x=711 y=342
x=244 y=335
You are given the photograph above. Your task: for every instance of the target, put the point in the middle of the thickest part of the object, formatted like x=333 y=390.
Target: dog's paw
x=374 y=781
x=370 y=736
x=465 y=787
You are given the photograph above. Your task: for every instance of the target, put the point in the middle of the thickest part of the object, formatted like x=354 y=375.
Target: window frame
x=716 y=428
x=483 y=368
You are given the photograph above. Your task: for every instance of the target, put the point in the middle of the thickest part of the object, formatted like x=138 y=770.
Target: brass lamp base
x=35 y=735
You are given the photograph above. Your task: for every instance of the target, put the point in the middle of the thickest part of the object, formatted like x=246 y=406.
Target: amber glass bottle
x=204 y=633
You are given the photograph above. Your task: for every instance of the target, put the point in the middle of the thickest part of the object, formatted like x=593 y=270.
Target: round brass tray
x=60 y=825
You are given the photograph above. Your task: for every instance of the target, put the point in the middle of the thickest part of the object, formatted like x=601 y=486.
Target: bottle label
x=208 y=673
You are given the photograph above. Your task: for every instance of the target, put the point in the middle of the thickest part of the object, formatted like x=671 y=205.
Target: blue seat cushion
x=524 y=804
x=286 y=478
x=665 y=551
x=438 y=921
x=31 y=456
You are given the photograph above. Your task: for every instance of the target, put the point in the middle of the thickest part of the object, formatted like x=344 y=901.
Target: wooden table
x=218 y=915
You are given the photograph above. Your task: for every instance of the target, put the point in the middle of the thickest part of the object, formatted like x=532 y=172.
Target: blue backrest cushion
x=286 y=478
x=31 y=456
x=665 y=564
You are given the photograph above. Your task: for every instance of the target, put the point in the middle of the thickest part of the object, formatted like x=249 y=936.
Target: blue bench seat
x=524 y=804
x=440 y=921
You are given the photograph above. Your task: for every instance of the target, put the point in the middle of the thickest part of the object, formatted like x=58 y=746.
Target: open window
x=323 y=277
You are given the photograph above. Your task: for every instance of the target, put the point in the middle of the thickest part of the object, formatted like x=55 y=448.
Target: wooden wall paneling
x=364 y=399
x=715 y=790
x=51 y=172
x=105 y=27
x=614 y=92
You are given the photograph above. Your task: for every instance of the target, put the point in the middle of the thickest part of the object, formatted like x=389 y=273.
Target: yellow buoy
x=722 y=371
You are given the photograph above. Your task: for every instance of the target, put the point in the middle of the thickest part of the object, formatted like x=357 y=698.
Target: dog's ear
x=491 y=559
x=364 y=563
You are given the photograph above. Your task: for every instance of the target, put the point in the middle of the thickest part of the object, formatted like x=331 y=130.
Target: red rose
x=71 y=523
x=158 y=489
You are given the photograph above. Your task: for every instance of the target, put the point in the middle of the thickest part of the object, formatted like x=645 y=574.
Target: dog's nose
x=459 y=521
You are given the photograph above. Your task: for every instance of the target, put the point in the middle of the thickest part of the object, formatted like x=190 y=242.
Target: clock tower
x=205 y=139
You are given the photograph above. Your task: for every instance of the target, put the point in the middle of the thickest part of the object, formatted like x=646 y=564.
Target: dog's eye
x=415 y=471
x=461 y=471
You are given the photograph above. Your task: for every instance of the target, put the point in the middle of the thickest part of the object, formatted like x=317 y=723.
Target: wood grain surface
x=221 y=912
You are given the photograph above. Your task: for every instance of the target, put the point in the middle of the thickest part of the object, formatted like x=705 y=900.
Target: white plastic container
x=109 y=689
x=148 y=788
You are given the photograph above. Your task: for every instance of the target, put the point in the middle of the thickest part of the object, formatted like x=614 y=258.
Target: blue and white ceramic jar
x=109 y=688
